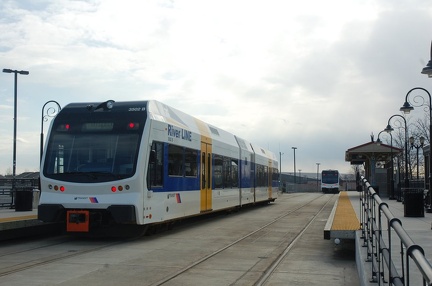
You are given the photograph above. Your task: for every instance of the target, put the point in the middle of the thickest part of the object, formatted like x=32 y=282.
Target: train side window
x=218 y=171
x=227 y=172
x=261 y=182
x=175 y=160
x=275 y=174
x=230 y=172
x=155 y=167
x=234 y=172
x=203 y=170
x=209 y=170
x=191 y=164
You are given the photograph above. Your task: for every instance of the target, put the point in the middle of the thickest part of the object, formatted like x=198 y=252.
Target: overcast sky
x=317 y=75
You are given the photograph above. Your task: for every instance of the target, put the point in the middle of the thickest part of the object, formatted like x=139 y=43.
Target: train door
x=206 y=177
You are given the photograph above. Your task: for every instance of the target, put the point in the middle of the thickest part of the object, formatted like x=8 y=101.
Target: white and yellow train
x=143 y=163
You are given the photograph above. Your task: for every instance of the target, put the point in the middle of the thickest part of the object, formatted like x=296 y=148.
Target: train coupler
x=77 y=221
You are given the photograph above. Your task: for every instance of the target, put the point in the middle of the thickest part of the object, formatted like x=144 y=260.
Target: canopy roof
x=371 y=150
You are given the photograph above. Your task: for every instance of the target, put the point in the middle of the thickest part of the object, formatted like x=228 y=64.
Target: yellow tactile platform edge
x=19 y=218
x=345 y=217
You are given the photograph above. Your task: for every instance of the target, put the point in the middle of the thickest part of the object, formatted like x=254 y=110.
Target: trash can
x=24 y=199
x=413 y=202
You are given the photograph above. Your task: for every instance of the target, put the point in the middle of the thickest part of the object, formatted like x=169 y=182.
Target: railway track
x=273 y=265
x=245 y=248
x=46 y=252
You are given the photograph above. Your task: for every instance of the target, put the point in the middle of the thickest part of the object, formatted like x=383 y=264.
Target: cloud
x=277 y=73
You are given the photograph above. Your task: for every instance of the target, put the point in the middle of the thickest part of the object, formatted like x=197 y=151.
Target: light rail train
x=145 y=163
x=330 y=181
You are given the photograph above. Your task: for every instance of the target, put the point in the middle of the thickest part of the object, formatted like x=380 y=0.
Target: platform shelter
x=376 y=158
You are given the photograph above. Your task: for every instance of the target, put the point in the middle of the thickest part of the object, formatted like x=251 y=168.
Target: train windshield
x=94 y=149
x=330 y=177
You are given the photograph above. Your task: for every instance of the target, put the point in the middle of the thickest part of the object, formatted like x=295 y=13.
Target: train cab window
x=155 y=169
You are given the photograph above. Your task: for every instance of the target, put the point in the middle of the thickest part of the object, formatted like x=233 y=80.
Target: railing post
x=389 y=247
x=381 y=255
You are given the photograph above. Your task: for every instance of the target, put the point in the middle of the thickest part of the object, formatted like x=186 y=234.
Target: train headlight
x=113 y=189
x=110 y=104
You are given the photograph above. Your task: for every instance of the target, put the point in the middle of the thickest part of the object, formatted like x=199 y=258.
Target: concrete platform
x=17 y=224
x=11 y=219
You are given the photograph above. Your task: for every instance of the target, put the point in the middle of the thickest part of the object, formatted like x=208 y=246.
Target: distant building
x=26 y=179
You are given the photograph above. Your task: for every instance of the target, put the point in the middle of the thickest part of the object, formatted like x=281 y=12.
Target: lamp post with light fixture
x=428 y=68
x=280 y=171
x=15 y=72
x=51 y=111
x=294 y=148
x=391 y=197
x=389 y=129
x=418 y=101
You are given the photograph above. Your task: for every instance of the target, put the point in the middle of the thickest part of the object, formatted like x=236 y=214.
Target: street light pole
x=16 y=72
x=417 y=147
x=50 y=112
x=406 y=108
x=427 y=70
x=280 y=170
x=317 y=176
x=391 y=197
x=389 y=129
x=294 y=148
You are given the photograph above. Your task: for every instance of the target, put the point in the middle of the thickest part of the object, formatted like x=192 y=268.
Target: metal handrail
x=372 y=211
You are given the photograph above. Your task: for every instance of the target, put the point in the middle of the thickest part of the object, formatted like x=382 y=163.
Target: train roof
x=117 y=106
x=162 y=112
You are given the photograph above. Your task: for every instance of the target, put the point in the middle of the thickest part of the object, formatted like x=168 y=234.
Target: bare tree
x=8 y=171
